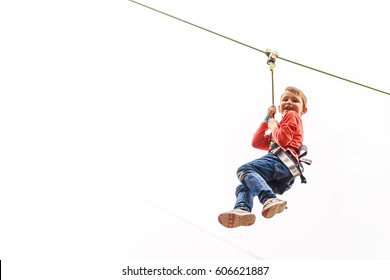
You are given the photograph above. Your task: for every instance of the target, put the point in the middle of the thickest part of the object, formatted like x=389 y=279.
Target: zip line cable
x=256 y=49
x=197 y=26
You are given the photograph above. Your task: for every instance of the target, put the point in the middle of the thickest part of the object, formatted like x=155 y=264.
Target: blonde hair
x=298 y=92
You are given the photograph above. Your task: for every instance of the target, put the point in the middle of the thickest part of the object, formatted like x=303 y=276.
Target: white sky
x=121 y=129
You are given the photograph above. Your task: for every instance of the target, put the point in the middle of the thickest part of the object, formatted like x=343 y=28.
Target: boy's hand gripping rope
x=272 y=55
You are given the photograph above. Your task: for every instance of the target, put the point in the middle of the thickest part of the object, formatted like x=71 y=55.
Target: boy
x=268 y=175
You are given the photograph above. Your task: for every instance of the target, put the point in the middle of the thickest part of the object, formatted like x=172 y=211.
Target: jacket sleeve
x=260 y=139
x=284 y=134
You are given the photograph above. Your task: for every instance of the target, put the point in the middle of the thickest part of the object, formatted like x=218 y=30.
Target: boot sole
x=233 y=220
x=274 y=209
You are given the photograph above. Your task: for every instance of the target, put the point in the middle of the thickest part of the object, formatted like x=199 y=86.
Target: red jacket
x=289 y=134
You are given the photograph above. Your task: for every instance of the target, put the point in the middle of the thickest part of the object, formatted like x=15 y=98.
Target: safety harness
x=288 y=159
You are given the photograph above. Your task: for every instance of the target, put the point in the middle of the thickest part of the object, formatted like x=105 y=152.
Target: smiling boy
x=269 y=175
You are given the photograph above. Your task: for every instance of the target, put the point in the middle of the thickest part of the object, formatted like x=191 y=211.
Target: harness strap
x=282 y=155
x=295 y=169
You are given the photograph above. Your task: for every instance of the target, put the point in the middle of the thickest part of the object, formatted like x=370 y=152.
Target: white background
x=121 y=129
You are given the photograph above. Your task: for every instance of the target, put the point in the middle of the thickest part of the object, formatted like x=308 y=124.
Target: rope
x=273 y=90
x=256 y=49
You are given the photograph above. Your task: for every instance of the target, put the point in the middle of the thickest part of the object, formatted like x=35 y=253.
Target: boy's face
x=291 y=101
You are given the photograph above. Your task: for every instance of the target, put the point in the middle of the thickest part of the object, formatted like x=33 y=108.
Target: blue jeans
x=261 y=177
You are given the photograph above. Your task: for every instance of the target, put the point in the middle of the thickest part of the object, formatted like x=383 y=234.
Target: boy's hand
x=271 y=111
x=272 y=124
